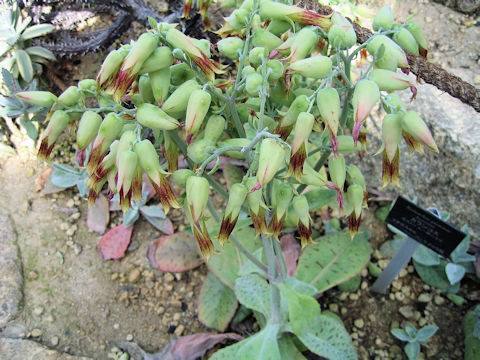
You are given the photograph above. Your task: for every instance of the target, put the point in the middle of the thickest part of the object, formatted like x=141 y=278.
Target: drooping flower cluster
x=291 y=103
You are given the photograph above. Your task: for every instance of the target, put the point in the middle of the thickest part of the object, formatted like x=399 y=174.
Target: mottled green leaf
x=36 y=31
x=333 y=259
x=254 y=292
x=217 y=303
x=24 y=64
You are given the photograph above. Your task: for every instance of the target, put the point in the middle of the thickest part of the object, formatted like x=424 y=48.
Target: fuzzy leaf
x=433 y=275
x=98 y=215
x=230 y=260
x=164 y=225
x=426 y=332
x=333 y=259
x=153 y=211
x=217 y=303
x=400 y=334
x=291 y=252
x=188 y=347
x=62 y=178
x=115 y=242
x=131 y=216
x=254 y=292
x=176 y=253
x=412 y=350
x=454 y=272
x=262 y=345
x=425 y=256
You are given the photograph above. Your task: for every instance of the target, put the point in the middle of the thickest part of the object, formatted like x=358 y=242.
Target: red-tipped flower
x=58 y=122
x=303 y=129
x=275 y=10
x=237 y=196
x=365 y=96
x=300 y=205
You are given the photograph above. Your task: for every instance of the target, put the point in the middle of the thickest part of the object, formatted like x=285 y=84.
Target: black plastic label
x=424 y=227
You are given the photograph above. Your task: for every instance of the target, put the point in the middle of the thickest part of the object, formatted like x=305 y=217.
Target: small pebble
x=129 y=337
x=406 y=311
x=425 y=297
x=36 y=333
x=54 y=340
x=70 y=203
x=333 y=308
x=76 y=216
x=134 y=275
x=428 y=19
x=439 y=300
x=179 y=330
x=38 y=310
x=359 y=323
x=77 y=249
x=116 y=326
x=169 y=277
x=33 y=275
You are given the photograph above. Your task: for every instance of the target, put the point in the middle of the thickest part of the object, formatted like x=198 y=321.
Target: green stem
x=281 y=259
x=236 y=118
x=272 y=276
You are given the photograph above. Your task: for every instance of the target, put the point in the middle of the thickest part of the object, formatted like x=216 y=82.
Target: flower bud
x=58 y=122
x=177 y=103
x=303 y=129
x=272 y=158
x=154 y=118
x=198 y=191
x=181 y=73
x=257 y=55
x=390 y=48
x=39 y=98
x=214 y=128
x=256 y=206
x=278 y=27
x=110 y=67
x=264 y=38
x=300 y=205
x=87 y=128
x=109 y=130
x=303 y=43
x=413 y=124
x=145 y=89
x=328 y=104
x=341 y=34
x=170 y=151
x=365 y=96
x=238 y=18
x=126 y=142
x=197 y=151
x=179 y=40
x=283 y=196
x=127 y=165
x=161 y=58
x=384 y=19
x=316 y=67
x=393 y=104
x=254 y=83
x=347 y=145
x=417 y=33
x=355 y=176
x=236 y=198
x=150 y=163
x=181 y=176
x=270 y=10
x=337 y=170
x=247 y=70
x=391 y=134
x=389 y=80
x=300 y=104
x=70 y=96
x=204 y=45
x=311 y=177
x=406 y=40
x=88 y=84
x=354 y=199
x=197 y=108
x=160 y=82
x=230 y=47
x=274 y=70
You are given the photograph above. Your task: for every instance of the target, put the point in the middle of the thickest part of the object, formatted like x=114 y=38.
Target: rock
x=439 y=300
x=11 y=280
x=129 y=337
x=179 y=330
x=169 y=277
x=134 y=275
x=20 y=349
x=70 y=203
x=464 y=6
x=77 y=249
x=476 y=79
x=359 y=323
x=406 y=311
x=36 y=333
x=14 y=331
x=38 y=310
x=425 y=297
x=54 y=340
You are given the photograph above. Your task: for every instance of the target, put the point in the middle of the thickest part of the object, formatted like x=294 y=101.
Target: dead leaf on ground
x=98 y=215
x=115 y=242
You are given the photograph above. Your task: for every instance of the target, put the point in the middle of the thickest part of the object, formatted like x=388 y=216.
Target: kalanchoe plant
x=16 y=53
x=292 y=111
x=414 y=337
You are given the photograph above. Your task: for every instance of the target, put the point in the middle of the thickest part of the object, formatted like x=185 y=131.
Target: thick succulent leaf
x=321 y=334
x=24 y=64
x=217 y=303
x=4 y=47
x=36 y=31
x=425 y=256
x=164 y=225
x=454 y=273
x=10 y=82
x=115 y=242
x=412 y=350
x=177 y=252
x=31 y=130
x=41 y=52
x=64 y=176
x=262 y=345
x=254 y=292
x=226 y=264
x=333 y=259
x=23 y=24
x=433 y=275
x=153 y=211
x=400 y=334
x=426 y=332
x=131 y=216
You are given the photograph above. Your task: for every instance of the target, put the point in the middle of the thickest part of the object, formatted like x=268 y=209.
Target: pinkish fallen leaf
x=42 y=178
x=291 y=252
x=176 y=253
x=98 y=215
x=45 y=185
x=190 y=347
x=115 y=242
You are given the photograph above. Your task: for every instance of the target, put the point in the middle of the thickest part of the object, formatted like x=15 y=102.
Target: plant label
x=421 y=227
x=424 y=227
